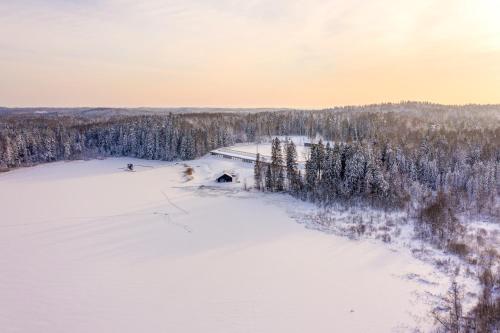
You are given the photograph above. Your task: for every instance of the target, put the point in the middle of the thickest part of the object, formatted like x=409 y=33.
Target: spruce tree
x=328 y=177
x=280 y=180
x=258 y=173
x=269 y=180
x=276 y=166
x=311 y=169
x=320 y=159
x=291 y=166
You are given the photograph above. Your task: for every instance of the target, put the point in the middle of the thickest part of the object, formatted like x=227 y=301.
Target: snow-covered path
x=86 y=247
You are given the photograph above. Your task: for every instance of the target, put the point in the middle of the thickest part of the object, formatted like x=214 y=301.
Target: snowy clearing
x=88 y=247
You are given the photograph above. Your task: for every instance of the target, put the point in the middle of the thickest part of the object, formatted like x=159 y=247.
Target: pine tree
x=376 y=186
x=328 y=178
x=291 y=166
x=258 y=173
x=187 y=148
x=269 y=179
x=320 y=159
x=355 y=172
x=280 y=180
x=311 y=175
x=277 y=182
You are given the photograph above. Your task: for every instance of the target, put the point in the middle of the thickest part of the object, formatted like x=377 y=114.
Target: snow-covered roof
x=227 y=174
x=230 y=173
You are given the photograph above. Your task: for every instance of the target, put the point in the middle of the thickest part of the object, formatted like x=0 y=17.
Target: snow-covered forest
x=382 y=154
x=438 y=164
x=390 y=155
x=32 y=137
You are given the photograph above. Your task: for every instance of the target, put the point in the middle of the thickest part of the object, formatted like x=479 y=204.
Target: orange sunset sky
x=253 y=53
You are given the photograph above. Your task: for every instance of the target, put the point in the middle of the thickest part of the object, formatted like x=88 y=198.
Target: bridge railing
x=241 y=155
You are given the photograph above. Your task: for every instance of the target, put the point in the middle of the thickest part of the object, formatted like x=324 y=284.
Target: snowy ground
x=88 y=247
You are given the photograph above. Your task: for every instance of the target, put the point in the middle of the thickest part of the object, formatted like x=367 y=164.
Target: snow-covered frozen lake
x=88 y=247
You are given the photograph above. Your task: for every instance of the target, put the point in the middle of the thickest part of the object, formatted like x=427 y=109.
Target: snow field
x=87 y=247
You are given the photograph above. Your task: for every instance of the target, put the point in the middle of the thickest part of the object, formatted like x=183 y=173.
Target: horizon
x=290 y=108
x=238 y=54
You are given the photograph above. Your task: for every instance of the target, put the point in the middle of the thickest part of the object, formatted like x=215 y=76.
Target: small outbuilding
x=225 y=178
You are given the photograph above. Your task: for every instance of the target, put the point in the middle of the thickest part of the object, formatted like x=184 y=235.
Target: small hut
x=225 y=178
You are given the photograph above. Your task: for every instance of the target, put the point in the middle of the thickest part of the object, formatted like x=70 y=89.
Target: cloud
x=282 y=52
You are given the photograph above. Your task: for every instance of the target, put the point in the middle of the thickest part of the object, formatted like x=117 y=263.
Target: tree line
x=29 y=138
x=384 y=175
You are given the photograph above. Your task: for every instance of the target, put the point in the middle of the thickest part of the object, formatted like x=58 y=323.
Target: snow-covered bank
x=87 y=247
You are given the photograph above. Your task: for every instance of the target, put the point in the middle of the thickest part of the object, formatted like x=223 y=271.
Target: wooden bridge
x=243 y=156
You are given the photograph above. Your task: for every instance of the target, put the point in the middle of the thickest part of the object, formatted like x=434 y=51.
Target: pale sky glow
x=253 y=53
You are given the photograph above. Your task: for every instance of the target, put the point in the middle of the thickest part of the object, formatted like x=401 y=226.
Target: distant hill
x=108 y=112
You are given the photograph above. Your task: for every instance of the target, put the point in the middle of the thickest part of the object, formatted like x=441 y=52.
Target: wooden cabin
x=225 y=178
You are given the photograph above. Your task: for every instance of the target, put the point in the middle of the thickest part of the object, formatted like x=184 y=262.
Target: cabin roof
x=226 y=174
